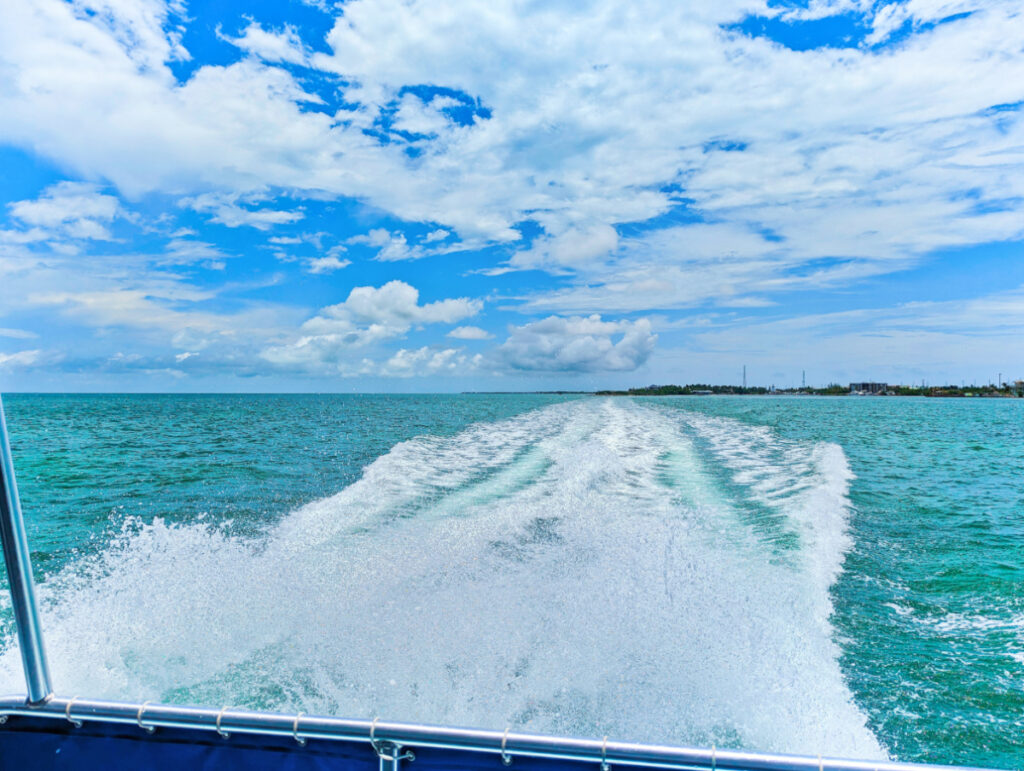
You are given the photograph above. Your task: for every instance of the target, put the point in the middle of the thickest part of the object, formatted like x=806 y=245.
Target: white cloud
x=144 y=309
x=327 y=264
x=187 y=251
x=571 y=247
x=226 y=211
x=470 y=333
x=283 y=46
x=947 y=341
x=428 y=361
x=27 y=236
x=370 y=315
x=683 y=266
x=396 y=304
x=589 y=117
x=17 y=334
x=578 y=344
x=416 y=116
x=68 y=209
x=392 y=246
x=593 y=131
x=19 y=359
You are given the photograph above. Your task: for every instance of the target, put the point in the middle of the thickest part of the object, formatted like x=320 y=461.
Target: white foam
x=580 y=569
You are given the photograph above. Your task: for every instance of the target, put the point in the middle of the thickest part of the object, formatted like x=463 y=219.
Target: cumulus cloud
x=856 y=152
x=270 y=45
x=422 y=117
x=578 y=344
x=69 y=209
x=428 y=361
x=369 y=315
x=470 y=333
x=392 y=247
x=396 y=305
x=328 y=264
x=621 y=122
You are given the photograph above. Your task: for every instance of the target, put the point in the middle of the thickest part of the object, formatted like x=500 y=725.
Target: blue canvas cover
x=41 y=744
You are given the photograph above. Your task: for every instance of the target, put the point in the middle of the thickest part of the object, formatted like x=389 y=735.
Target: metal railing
x=390 y=740
x=19 y=576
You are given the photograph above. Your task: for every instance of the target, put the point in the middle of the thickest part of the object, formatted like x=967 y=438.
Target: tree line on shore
x=833 y=389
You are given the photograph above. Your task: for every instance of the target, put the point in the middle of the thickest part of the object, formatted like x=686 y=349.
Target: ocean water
x=839 y=576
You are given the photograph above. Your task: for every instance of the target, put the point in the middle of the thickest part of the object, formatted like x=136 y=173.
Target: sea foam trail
x=595 y=567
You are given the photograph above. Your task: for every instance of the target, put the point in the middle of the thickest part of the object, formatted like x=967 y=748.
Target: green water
x=85 y=462
x=928 y=607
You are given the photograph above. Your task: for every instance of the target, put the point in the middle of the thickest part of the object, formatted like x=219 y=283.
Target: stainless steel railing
x=19 y=575
x=391 y=739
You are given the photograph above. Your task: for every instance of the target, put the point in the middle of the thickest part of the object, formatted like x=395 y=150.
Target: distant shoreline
x=1006 y=391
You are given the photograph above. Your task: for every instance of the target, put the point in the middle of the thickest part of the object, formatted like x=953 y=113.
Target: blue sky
x=396 y=195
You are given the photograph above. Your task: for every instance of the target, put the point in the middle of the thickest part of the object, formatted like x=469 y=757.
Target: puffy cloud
x=428 y=361
x=416 y=116
x=69 y=209
x=328 y=264
x=594 y=128
x=396 y=305
x=392 y=247
x=614 y=116
x=271 y=46
x=578 y=344
x=470 y=333
x=369 y=315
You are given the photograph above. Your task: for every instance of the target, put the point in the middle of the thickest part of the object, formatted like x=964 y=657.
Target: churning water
x=641 y=569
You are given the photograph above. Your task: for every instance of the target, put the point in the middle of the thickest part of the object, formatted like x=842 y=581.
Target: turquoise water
x=836 y=575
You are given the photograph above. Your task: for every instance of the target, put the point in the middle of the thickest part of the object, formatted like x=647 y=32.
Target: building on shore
x=874 y=389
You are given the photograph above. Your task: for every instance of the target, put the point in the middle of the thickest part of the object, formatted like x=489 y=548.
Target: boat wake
x=594 y=567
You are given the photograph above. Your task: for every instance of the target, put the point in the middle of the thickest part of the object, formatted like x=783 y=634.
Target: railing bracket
x=220 y=716
x=390 y=753
x=67 y=713
x=138 y=719
x=505 y=757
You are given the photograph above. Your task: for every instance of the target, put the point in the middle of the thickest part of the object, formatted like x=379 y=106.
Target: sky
x=401 y=195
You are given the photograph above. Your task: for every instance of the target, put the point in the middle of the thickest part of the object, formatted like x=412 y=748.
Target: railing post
x=392 y=756
x=19 y=576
